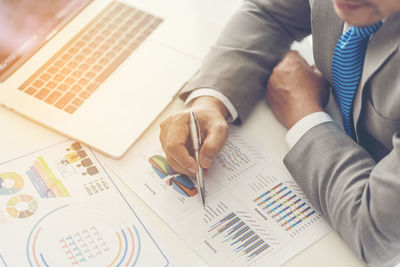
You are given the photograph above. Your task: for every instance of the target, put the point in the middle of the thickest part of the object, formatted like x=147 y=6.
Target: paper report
x=255 y=213
x=59 y=207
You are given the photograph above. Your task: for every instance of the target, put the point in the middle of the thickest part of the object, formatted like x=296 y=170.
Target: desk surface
x=19 y=136
x=22 y=136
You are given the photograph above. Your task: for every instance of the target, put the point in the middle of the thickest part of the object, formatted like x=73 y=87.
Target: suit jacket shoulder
x=254 y=41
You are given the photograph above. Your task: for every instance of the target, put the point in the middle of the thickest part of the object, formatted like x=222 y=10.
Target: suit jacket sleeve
x=357 y=196
x=252 y=43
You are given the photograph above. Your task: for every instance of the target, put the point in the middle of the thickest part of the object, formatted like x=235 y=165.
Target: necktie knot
x=364 y=32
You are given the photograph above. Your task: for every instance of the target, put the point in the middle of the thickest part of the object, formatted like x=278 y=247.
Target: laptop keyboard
x=74 y=73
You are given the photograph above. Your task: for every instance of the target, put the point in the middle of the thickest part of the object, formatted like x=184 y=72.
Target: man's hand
x=295 y=90
x=175 y=137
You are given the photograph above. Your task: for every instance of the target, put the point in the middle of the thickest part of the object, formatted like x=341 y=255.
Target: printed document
x=60 y=207
x=255 y=213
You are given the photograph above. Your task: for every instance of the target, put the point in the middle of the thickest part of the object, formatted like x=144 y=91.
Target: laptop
x=98 y=71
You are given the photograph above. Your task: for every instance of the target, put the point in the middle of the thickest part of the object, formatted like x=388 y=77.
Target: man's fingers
x=176 y=142
x=316 y=70
x=213 y=143
x=295 y=55
x=177 y=168
x=175 y=148
x=163 y=133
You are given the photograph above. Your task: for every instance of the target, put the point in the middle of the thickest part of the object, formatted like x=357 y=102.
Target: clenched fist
x=295 y=89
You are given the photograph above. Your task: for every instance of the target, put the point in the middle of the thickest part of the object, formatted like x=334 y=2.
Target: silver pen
x=195 y=135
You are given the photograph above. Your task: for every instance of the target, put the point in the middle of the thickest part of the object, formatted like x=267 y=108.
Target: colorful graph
x=238 y=236
x=87 y=244
x=83 y=245
x=22 y=206
x=101 y=243
x=10 y=183
x=232 y=158
x=44 y=180
x=284 y=206
x=179 y=182
x=78 y=155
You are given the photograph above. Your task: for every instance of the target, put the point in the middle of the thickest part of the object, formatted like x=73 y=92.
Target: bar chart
x=45 y=181
x=284 y=206
x=238 y=237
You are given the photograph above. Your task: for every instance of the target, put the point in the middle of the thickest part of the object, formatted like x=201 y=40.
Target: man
x=351 y=175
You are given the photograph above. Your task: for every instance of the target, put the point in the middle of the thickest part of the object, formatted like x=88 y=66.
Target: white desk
x=19 y=136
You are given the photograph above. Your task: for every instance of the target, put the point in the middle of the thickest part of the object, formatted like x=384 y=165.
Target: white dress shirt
x=293 y=135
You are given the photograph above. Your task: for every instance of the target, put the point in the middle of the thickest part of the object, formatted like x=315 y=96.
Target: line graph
x=235 y=160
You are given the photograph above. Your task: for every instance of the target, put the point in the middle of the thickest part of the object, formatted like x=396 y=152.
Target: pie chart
x=10 y=183
x=22 y=206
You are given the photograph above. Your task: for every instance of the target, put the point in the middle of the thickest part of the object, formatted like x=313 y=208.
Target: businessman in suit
x=350 y=169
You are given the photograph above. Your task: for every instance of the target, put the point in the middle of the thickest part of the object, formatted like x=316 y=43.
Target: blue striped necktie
x=347 y=65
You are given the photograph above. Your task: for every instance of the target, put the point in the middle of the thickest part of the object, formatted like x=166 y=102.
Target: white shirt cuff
x=212 y=92
x=302 y=126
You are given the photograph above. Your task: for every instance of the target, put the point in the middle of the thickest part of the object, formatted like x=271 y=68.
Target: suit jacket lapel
x=327 y=28
x=382 y=44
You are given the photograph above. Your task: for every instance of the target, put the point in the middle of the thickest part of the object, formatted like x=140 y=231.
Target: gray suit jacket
x=356 y=185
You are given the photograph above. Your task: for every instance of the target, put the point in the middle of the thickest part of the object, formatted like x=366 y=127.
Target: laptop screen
x=27 y=24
